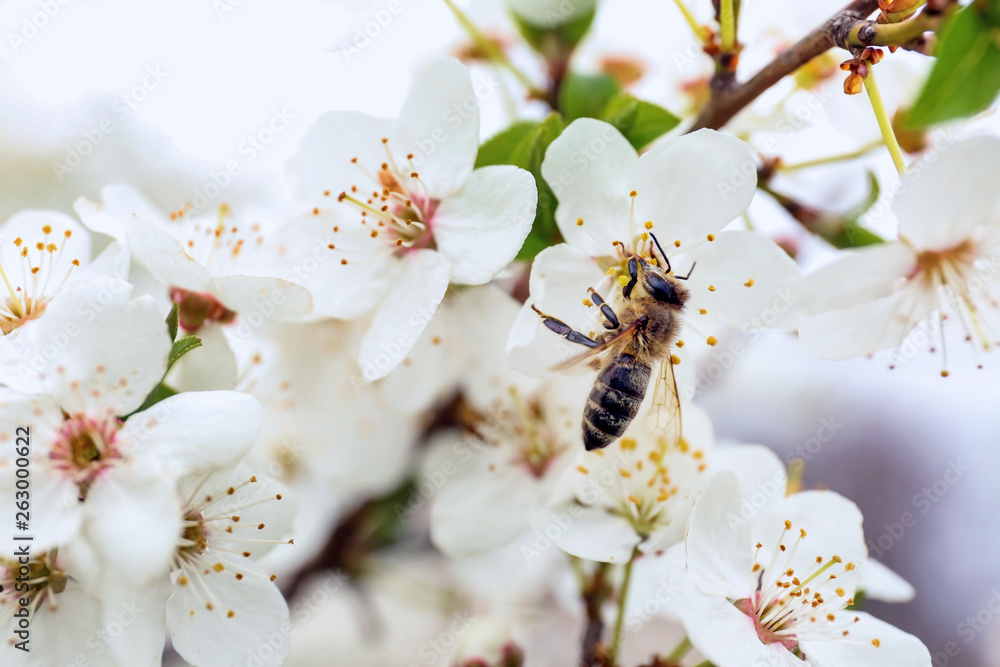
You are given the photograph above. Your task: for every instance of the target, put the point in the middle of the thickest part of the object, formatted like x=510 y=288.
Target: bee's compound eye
x=661 y=289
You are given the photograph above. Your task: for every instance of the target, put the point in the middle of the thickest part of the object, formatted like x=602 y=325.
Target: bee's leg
x=612 y=319
x=633 y=274
x=565 y=330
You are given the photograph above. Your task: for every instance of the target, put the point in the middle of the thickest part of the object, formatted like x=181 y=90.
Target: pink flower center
x=196 y=308
x=395 y=205
x=766 y=633
x=84 y=448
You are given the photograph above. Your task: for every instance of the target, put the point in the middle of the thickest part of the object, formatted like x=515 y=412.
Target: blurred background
x=162 y=95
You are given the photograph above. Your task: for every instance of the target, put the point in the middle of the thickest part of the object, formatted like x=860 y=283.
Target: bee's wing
x=664 y=418
x=597 y=354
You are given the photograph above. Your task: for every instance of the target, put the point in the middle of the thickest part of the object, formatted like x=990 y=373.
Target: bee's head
x=662 y=287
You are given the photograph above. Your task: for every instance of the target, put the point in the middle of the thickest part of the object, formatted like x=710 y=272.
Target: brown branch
x=727 y=103
x=594 y=595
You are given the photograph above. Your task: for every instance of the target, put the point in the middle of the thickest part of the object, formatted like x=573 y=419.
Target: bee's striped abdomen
x=614 y=400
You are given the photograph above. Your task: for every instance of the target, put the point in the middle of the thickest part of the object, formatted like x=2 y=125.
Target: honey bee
x=642 y=328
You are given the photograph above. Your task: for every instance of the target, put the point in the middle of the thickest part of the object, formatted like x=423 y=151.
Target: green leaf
x=559 y=39
x=172 y=321
x=523 y=145
x=586 y=95
x=845 y=231
x=182 y=347
x=499 y=148
x=966 y=77
x=161 y=392
x=639 y=121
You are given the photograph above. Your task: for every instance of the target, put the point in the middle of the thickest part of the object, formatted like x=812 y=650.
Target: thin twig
x=727 y=103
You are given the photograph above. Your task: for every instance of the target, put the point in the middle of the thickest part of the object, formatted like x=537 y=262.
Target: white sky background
x=224 y=76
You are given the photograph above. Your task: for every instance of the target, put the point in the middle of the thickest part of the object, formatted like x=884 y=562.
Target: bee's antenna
x=693 y=264
x=662 y=254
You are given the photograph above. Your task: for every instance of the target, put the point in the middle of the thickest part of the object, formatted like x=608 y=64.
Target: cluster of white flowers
x=361 y=381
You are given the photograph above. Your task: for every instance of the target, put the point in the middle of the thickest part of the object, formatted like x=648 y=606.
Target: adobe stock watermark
x=32 y=24
x=247 y=151
x=923 y=502
x=121 y=108
x=968 y=629
x=363 y=35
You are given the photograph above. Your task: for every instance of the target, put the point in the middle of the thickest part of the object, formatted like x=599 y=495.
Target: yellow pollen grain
x=702 y=311
x=680 y=343
x=711 y=288
x=677 y=244
x=230 y=614
x=649 y=224
x=645 y=236
x=218 y=567
x=633 y=193
x=788 y=524
x=748 y=283
x=183 y=581
x=239 y=577
x=802 y=534
x=47 y=229
x=588 y=303
x=674 y=359
x=208 y=606
x=583 y=470
x=712 y=340
x=343 y=261
x=273 y=577
x=711 y=237
x=629 y=443
x=623 y=280
x=579 y=222
x=840 y=592
x=944 y=374
x=635 y=501
x=876 y=643
x=624 y=473
x=849 y=567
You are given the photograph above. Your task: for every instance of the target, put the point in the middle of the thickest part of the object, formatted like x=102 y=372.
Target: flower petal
x=439 y=124
x=165 y=257
x=329 y=145
x=718 y=543
x=755 y=281
x=418 y=287
x=587 y=167
x=132 y=523
x=197 y=431
x=725 y=634
x=258 y=627
x=560 y=276
x=857 y=277
x=482 y=511
x=209 y=367
x=693 y=185
x=880 y=583
x=939 y=206
x=866 y=328
x=314 y=255
x=262 y=298
x=118 y=350
x=590 y=533
x=481 y=228
x=895 y=647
